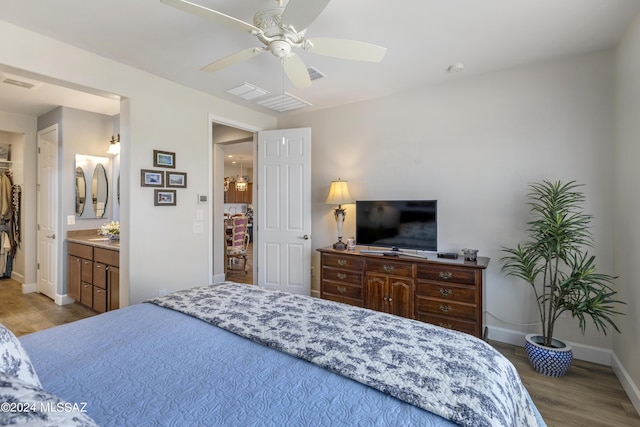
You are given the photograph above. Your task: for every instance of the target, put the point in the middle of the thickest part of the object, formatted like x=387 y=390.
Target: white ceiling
x=422 y=37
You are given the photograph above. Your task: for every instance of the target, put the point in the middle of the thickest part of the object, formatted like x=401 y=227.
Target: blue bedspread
x=149 y=366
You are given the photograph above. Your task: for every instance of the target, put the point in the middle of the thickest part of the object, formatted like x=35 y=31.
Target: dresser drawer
x=341 y=290
x=99 y=299
x=442 y=307
x=446 y=273
x=86 y=294
x=344 y=276
x=82 y=251
x=392 y=268
x=447 y=291
x=449 y=323
x=342 y=261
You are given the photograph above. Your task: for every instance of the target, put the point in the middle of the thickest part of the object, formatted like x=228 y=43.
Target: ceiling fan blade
x=301 y=13
x=347 y=49
x=296 y=71
x=243 y=55
x=212 y=15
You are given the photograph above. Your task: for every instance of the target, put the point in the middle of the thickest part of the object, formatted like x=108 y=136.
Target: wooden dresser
x=444 y=292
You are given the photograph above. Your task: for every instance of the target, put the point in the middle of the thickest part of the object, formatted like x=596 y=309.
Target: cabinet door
x=86 y=294
x=87 y=270
x=75 y=277
x=99 y=299
x=113 y=288
x=375 y=293
x=230 y=194
x=401 y=297
x=100 y=275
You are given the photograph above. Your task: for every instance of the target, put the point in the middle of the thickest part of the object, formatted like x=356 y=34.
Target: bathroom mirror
x=99 y=190
x=81 y=190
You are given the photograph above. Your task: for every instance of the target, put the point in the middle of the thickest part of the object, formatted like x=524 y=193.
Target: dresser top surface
x=431 y=258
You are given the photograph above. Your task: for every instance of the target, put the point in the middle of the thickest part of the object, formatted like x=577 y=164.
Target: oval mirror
x=81 y=191
x=99 y=190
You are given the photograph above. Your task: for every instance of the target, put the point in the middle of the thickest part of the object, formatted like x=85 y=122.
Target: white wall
x=627 y=205
x=159 y=249
x=475 y=144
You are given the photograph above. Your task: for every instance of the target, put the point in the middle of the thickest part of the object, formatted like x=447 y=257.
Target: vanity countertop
x=90 y=237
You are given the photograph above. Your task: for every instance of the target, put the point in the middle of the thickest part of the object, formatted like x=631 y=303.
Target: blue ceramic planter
x=552 y=361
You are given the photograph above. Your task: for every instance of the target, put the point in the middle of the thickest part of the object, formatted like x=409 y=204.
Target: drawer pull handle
x=445 y=292
x=445 y=275
x=446 y=325
x=445 y=308
x=341 y=289
x=342 y=262
x=342 y=276
x=388 y=268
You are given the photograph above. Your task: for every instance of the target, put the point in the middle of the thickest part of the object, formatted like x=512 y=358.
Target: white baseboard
x=28 y=288
x=218 y=278
x=627 y=383
x=580 y=351
x=63 y=299
x=17 y=277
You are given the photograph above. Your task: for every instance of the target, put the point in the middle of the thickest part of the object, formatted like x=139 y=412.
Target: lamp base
x=340 y=245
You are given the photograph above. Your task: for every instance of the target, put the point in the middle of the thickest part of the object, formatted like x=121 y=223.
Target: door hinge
x=38 y=227
x=38 y=150
x=38 y=266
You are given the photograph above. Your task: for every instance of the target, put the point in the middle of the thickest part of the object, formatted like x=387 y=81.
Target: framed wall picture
x=164 y=159
x=151 y=178
x=164 y=198
x=177 y=179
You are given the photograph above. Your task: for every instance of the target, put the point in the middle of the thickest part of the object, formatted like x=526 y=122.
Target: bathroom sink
x=99 y=239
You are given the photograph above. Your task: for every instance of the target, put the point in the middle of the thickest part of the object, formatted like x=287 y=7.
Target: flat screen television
x=401 y=224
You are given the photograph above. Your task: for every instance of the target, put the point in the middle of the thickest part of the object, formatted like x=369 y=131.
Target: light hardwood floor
x=589 y=395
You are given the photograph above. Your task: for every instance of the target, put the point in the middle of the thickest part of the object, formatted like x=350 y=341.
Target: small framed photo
x=164 y=159
x=177 y=179
x=151 y=178
x=165 y=197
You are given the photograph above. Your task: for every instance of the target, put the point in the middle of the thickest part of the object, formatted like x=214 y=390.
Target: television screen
x=403 y=224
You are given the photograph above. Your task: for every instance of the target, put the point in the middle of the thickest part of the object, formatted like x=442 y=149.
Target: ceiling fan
x=281 y=29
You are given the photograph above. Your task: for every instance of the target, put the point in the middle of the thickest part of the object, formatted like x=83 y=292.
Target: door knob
x=53 y=236
x=305 y=237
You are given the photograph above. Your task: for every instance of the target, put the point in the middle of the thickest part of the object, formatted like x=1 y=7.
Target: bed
x=238 y=355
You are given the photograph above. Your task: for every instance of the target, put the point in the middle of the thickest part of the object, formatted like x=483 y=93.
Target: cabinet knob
x=341 y=289
x=342 y=276
x=388 y=268
x=445 y=308
x=445 y=275
x=445 y=292
x=342 y=262
x=446 y=325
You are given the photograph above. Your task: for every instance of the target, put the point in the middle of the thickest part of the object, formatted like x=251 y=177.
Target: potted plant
x=563 y=275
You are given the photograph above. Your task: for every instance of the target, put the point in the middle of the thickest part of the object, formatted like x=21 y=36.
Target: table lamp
x=339 y=195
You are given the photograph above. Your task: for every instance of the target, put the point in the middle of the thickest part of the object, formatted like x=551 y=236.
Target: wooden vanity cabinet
x=94 y=276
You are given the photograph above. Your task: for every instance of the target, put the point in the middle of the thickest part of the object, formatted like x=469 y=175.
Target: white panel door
x=284 y=210
x=47 y=253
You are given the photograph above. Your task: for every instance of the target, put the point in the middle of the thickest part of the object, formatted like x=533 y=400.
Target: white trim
x=249 y=128
x=29 y=288
x=63 y=299
x=627 y=382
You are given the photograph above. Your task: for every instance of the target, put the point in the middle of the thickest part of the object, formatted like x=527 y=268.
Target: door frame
x=216 y=203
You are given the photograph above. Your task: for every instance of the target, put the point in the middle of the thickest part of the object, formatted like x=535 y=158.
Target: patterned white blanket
x=454 y=375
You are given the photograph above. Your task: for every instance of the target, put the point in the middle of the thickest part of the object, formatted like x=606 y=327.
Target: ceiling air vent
x=18 y=83
x=283 y=102
x=314 y=74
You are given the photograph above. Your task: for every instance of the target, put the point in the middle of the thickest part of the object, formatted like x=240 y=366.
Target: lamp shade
x=339 y=193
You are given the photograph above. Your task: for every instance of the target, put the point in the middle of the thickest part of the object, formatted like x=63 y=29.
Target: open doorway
x=237 y=210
